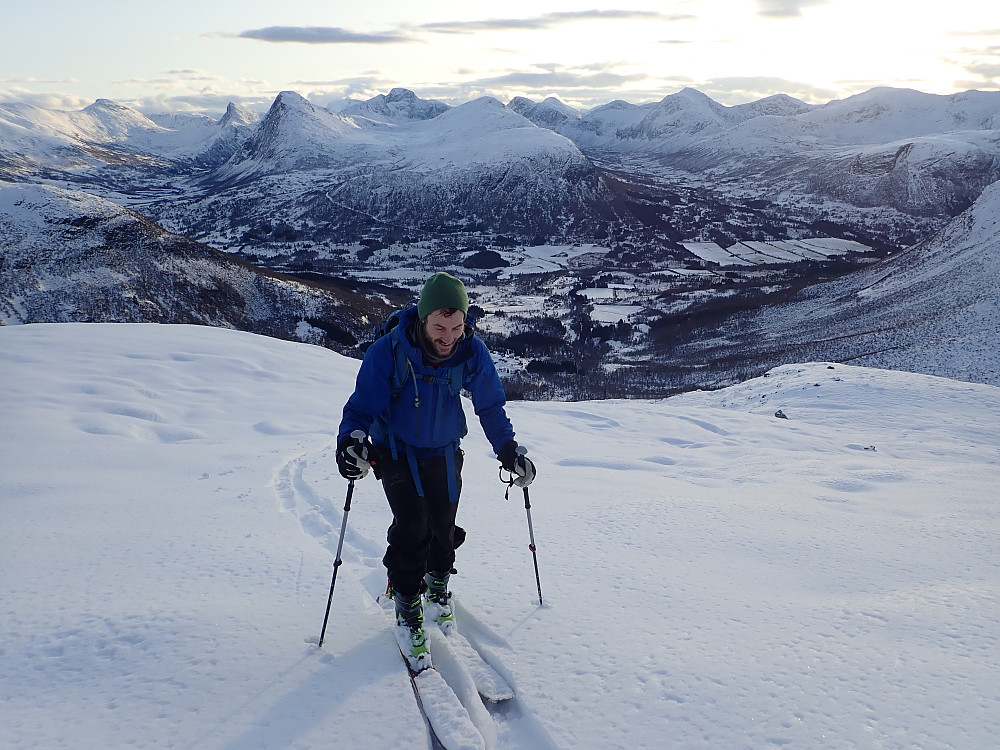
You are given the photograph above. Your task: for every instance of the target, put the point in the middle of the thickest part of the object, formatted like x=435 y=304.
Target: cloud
x=988 y=33
x=32 y=80
x=212 y=104
x=553 y=79
x=977 y=85
x=986 y=70
x=548 y=21
x=189 y=74
x=320 y=35
x=405 y=34
x=582 y=87
x=785 y=8
x=56 y=101
x=983 y=63
x=740 y=89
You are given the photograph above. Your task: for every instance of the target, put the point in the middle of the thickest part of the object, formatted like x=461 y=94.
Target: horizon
x=336 y=106
x=193 y=57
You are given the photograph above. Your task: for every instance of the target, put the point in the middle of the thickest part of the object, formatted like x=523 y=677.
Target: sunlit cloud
x=785 y=8
x=32 y=80
x=173 y=77
x=741 y=89
x=321 y=35
x=548 y=21
x=985 y=70
x=982 y=63
x=559 y=79
x=56 y=101
x=980 y=85
x=988 y=33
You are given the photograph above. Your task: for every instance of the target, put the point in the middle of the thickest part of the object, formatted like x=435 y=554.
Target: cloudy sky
x=199 y=55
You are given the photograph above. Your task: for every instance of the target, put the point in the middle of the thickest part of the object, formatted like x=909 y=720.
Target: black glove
x=513 y=459
x=352 y=456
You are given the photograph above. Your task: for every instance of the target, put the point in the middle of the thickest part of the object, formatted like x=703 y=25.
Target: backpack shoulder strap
x=401 y=364
x=455 y=378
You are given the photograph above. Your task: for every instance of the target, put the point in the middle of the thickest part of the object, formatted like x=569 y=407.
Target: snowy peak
x=888 y=114
x=238 y=115
x=693 y=98
x=688 y=112
x=778 y=105
x=551 y=113
x=398 y=106
x=289 y=102
x=476 y=118
x=117 y=121
x=294 y=134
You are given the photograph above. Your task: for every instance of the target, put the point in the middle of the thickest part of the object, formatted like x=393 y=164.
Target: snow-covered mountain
x=933 y=309
x=69 y=256
x=295 y=135
x=550 y=113
x=399 y=105
x=677 y=119
x=106 y=136
x=478 y=165
x=890 y=164
x=237 y=114
x=882 y=158
x=396 y=186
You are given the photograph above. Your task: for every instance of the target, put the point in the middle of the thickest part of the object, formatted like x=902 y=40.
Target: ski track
x=509 y=725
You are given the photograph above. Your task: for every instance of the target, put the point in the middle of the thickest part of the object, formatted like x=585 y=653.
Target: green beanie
x=442 y=290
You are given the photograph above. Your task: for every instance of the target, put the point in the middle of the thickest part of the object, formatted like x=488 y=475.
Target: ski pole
x=531 y=546
x=337 y=561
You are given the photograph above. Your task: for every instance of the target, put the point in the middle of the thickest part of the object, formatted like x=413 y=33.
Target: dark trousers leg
x=422 y=534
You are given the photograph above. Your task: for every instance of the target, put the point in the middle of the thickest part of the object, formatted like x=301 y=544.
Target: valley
x=629 y=251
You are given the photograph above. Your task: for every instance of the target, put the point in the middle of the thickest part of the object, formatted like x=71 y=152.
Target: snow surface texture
x=714 y=577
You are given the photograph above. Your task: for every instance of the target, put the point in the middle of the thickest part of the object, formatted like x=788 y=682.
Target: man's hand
x=352 y=456
x=513 y=459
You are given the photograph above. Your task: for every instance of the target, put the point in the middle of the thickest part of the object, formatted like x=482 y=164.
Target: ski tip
x=495 y=699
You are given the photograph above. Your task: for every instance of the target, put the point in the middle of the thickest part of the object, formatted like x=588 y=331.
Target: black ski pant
x=422 y=536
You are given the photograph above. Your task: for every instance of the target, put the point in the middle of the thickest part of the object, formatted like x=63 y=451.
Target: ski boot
x=410 y=630
x=439 y=599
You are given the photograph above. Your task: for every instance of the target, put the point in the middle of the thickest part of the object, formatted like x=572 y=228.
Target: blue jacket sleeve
x=372 y=390
x=488 y=398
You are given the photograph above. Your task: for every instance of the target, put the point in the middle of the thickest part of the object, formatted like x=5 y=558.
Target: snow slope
x=714 y=577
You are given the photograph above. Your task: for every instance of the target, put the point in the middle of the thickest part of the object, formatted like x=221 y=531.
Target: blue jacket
x=421 y=427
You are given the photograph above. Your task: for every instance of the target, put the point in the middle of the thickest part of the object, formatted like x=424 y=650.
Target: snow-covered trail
x=713 y=576
x=155 y=593
x=511 y=725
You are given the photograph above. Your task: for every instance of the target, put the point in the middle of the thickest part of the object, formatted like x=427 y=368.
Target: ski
x=436 y=743
x=447 y=720
x=491 y=686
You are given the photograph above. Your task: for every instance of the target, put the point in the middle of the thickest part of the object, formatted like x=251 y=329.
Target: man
x=406 y=401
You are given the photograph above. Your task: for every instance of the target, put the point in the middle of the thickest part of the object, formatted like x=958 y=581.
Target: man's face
x=444 y=330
